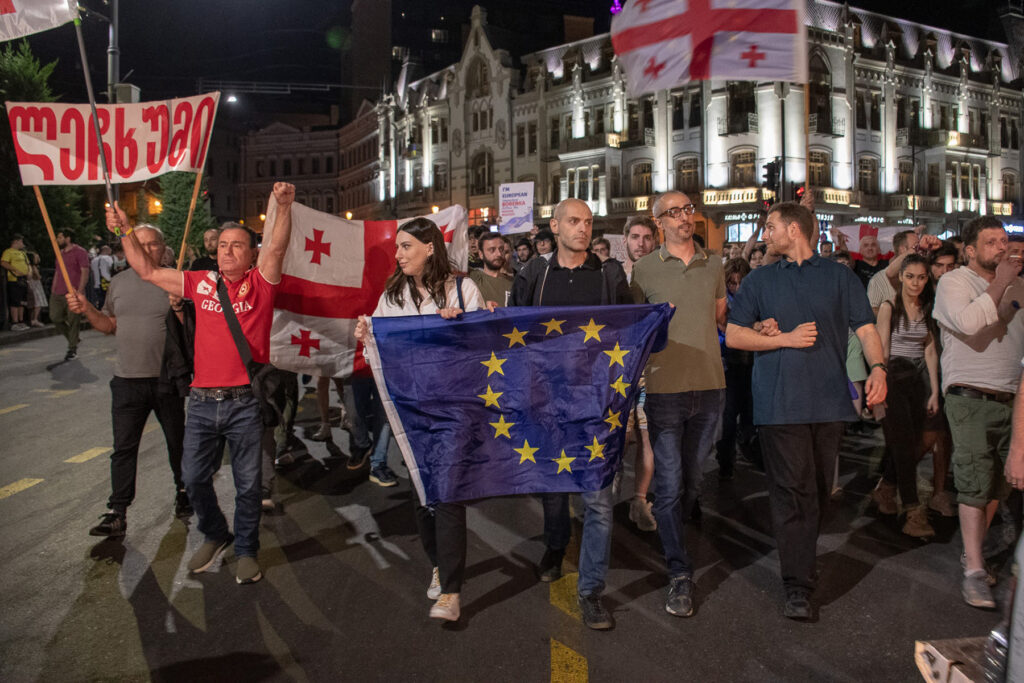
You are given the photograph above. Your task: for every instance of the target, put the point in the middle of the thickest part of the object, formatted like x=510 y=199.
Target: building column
x=662 y=139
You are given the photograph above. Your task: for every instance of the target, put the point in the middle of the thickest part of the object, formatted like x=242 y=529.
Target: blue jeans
x=369 y=421
x=682 y=428
x=238 y=421
x=596 y=544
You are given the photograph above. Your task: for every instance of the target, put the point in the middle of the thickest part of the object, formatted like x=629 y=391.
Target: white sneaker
x=446 y=607
x=434 y=589
x=18 y=327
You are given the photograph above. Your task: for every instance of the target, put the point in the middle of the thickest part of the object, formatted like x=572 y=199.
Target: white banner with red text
x=56 y=143
x=333 y=272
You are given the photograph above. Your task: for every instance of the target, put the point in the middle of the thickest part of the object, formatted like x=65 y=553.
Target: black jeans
x=903 y=426
x=131 y=402
x=800 y=460
x=443 y=534
x=739 y=406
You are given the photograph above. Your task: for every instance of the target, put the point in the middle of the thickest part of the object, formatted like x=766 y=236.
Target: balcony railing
x=1000 y=208
x=912 y=202
x=737 y=125
x=630 y=205
x=739 y=195
x=824 y=125
x=832 y=195
x=590 y=142
x=929 y=137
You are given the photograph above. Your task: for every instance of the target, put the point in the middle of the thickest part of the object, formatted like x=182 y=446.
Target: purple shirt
x=75 y=259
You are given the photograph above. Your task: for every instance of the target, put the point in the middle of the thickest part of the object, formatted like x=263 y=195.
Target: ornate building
x=907 y=124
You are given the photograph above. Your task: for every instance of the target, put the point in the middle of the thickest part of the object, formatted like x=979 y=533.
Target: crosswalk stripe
x=11 y=409
x=88 y=455
x=567 y=665
x=17 y=486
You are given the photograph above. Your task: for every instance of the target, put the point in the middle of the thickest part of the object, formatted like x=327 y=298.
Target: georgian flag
x=333 y=272
x=855 y=233
x=19 y=18
x=665 y=43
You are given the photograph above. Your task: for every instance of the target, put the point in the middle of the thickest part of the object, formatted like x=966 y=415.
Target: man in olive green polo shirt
x=685 y=381
x=490 y=278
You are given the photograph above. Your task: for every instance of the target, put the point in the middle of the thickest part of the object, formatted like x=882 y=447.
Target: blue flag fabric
x=522 y=400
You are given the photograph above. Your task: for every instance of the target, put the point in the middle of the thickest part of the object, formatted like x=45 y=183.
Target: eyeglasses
x=677 y=211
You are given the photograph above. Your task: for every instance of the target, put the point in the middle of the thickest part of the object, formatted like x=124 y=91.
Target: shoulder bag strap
x=458 y=288
x=236 y=328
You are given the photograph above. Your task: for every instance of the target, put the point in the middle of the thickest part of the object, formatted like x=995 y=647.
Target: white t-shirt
x=470 y=295
x=978 y=348
x=880 y=289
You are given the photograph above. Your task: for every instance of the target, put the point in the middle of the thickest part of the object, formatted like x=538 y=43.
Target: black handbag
x=263 y=377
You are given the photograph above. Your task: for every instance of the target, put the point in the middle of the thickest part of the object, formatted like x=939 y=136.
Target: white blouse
x=470 y=295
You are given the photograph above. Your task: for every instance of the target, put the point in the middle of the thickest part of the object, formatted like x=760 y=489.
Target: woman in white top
x=908 y=345
x=423 y=284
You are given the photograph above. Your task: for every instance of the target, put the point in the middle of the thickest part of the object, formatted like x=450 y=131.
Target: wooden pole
x=53 y=238
x=807 y=137
x=188 y=221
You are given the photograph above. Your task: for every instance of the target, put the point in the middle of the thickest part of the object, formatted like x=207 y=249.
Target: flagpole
x=92 y=104
x=53 y=238
x=188 y=221
x=807 y=137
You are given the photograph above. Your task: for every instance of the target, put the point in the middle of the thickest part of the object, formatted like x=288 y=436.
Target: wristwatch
x=885 y=368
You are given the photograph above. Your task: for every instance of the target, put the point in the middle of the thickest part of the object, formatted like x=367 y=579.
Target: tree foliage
x=176 y=194
x=24 y=79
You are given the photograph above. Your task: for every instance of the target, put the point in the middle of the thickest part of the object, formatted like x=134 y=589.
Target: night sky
x=171 y=43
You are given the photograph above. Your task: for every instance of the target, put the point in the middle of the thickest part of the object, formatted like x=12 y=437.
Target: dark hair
x=544 y=234
x=475 y=231
x=254 y=239
x=845 y=255
x=735 y=266
x=945 y=249
x=1015 y=237
x=899 y=311
x=602 y=241
x=970 y=233
x=435 y=272
x=67 y=232
x=899 y=239
x=17 y=236
x=488 y=236
x=792 y=212
x=645 y=221
x=525 y=242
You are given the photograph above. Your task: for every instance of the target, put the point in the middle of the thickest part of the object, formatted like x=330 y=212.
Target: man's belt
x=222 y=393
x=983 y=394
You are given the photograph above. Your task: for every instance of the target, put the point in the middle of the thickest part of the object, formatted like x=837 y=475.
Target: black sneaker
x=550 y=567
x=383 y=476
x=71 y=354
x=112 y=524
x=595 y=616
x=680 y=597
x=357 y=458
x=182 y=506
x=798 y=604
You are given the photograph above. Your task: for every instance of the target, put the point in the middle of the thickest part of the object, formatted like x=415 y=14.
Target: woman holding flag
x=424 y=284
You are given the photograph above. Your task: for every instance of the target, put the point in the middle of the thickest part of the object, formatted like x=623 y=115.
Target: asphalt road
x=345 y=577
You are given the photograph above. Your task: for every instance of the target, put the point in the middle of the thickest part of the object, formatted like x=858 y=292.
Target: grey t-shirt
x=141 y=310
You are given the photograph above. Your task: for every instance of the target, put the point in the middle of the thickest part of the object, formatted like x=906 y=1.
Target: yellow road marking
x=88 y=455
x=562 y=594
x=55 y=393
x=11 y=409
x=567 y=665
x=17 y=486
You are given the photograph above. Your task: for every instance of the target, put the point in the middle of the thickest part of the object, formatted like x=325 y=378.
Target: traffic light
x=771 y=176
x=800 y=192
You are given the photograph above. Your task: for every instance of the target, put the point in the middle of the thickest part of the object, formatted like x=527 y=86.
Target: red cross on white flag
x=855 y=233
x=664 y=43
x=24 y=17
x=334 y=271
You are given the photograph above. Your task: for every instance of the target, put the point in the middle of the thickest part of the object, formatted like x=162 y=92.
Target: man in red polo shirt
x=221 y=403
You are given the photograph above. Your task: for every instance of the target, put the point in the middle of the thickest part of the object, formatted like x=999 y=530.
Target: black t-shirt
x=204 y=263
x=865 y=270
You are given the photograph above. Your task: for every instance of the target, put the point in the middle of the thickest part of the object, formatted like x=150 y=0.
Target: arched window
x=821 y=93
x=1009 y=186
x=688 y=174
x=481 y=169
x=867 y=175
x=741 y=166
x=329 y=203
x=821 y=168
x=640 y=177
x=478 y=79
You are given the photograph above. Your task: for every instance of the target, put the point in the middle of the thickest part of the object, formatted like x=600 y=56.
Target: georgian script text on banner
x=333 y=272
x=56 y=143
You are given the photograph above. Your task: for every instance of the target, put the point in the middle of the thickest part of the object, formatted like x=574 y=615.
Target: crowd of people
x=777 y=347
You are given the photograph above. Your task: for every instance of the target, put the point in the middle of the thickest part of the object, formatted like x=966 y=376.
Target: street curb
x=7 y=337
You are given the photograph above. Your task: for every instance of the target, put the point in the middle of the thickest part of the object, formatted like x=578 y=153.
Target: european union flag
x=522 y=400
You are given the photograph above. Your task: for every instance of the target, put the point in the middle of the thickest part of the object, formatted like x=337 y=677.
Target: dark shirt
x=204 y=263
x=803 y=386
x=865 y=271
x=546 y=283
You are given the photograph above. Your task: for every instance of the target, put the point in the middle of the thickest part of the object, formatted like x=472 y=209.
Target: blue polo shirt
x=802 y=386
